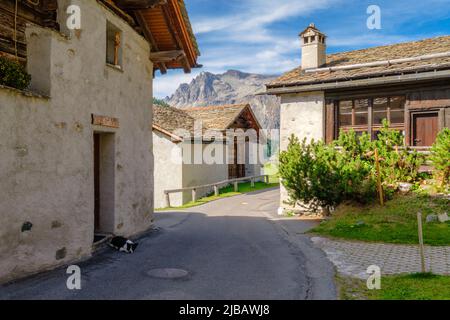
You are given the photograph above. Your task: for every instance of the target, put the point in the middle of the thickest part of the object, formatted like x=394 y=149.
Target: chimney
x=313 y=48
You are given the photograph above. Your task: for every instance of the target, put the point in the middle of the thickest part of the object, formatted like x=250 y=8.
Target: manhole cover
x=167 y=273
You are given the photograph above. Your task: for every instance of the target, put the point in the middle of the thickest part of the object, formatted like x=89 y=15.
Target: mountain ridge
x=230 y=87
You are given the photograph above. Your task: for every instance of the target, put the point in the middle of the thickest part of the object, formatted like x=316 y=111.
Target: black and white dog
x=122 y=244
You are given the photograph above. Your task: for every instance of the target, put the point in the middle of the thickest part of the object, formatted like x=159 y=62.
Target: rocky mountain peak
x=231 y=87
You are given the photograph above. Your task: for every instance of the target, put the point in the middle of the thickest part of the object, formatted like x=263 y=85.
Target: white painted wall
x=193 y=172
x=46 y=144
x=199 y=174
x=168 y=169
x=301 y=114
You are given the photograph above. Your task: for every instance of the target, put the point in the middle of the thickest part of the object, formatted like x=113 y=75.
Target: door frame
x=235 y=167
x=414 y=113
x=97 y=139
x=104 y=181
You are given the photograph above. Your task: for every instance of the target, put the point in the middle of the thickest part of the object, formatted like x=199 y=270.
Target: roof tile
x=396 y=51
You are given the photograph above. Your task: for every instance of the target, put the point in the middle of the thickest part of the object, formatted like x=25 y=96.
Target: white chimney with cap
x=313 y=48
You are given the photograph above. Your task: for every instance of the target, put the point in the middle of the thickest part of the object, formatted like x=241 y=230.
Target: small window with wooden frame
x=367 y=115
x=113 y=45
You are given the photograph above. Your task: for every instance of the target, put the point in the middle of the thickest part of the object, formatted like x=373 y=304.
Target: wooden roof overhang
x=165 y=24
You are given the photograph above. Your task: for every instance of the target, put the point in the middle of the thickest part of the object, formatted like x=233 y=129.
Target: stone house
x=77 y=160
x=406 y=83
x=181 y=143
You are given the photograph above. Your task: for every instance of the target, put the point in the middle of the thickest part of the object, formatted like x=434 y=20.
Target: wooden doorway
x=425 y=128
x=96 y=182
x=104 y=183
x=236 y=170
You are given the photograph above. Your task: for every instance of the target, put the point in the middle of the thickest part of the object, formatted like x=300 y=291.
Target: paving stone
x=353 y=258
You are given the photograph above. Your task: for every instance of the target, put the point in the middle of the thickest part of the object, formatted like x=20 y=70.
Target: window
x=380 y=110
x=361 y=112
x=113 y=45
x=355 y=114
x=345 y=113
x=397 y=110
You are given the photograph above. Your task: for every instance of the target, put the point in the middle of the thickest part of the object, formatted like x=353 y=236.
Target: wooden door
x=96 y=181
x=236 y=170
x=425 y=128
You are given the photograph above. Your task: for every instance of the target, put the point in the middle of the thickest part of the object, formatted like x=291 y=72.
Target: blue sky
x=261 y=36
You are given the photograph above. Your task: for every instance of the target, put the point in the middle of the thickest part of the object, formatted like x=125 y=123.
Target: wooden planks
x=12 y=27
x=105 y=121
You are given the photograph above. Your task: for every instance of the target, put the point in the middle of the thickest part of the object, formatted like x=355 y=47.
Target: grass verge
x=417 y=286
x=226 y=192
x=272 y=170
x=396 y=222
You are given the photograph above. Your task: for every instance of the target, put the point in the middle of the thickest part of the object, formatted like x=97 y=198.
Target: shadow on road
x=226 y=256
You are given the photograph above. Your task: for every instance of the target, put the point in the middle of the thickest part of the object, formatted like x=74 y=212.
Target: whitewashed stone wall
x=301 y=114
x=46 y=144
x=168 y=169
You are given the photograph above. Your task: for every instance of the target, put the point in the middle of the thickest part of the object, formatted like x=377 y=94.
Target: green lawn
x=419 y=286
x=272 y=171
x=396 y=222
x=225 y=192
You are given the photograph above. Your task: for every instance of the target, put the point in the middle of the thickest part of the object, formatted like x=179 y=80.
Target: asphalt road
x=234 y=248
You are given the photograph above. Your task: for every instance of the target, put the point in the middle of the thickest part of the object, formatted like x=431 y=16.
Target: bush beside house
x=13 y=74
x=319 y=175
x=440 y=156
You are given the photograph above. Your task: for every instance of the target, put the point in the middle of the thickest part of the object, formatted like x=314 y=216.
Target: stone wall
x=168 y=169
x=170 y=174
x=196 y=174
x=302 y=115
x=47 y=172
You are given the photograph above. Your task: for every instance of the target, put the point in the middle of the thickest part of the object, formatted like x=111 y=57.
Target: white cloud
x=254 y=14
x=243 y=40
x=256 y=35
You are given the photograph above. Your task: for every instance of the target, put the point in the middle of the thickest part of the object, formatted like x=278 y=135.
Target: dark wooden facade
x=13 y=22
x=426 y=110
x=245 y=121
x=164 y=23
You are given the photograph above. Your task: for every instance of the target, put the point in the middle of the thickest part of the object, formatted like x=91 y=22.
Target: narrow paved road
x=234 y=248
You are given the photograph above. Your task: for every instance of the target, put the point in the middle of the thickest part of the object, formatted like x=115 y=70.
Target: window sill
x=115 y=67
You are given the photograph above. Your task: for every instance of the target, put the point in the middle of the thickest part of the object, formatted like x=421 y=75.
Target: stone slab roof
x=298 y=77
x=217 y=117
x=170 y=119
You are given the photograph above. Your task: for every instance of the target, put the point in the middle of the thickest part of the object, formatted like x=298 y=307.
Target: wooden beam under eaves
x=148 y=35
x=167 y=56
x=186 y=65
x=176 y=37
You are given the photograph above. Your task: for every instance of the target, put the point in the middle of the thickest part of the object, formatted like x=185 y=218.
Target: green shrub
x=321 y=175
x=13 y=74
x=440 y=156
x=398 y=162
x=356 y=168
x=308 y=171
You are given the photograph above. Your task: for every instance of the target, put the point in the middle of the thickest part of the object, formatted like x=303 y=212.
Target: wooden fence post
x=421 y=248
x=236 y=186
x=266 y=179
x=194 y=195
x=380 y=188
x=167 y=200
x=252 y=182
x=216 y=191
